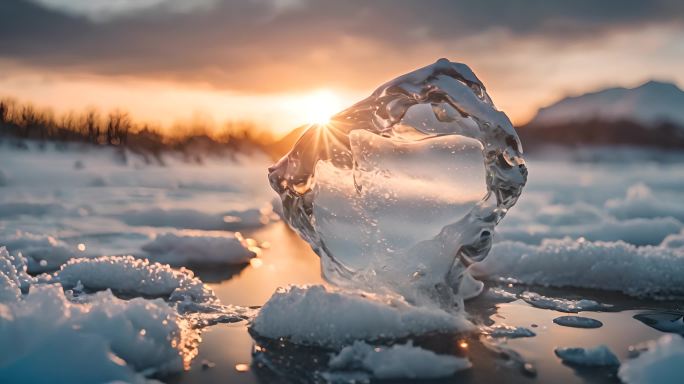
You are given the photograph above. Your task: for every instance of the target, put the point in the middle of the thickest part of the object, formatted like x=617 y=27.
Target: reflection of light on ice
x=256 y=263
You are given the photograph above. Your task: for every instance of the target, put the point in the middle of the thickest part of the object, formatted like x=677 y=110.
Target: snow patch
x=179 y=250
x=637 y=231
x=116 y=339
x=641 y=202
x=316 y=315
x=137 y=277
x=43 y=252
x=13 y=268
x=648 y=271
x=193 y=219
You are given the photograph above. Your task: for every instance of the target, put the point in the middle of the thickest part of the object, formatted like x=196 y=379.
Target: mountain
x=651 y=114
x=650 y=103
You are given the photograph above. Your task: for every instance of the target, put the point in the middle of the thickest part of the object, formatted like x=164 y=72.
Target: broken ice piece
x=508 y=332
x=600 y=356
x=664 y=321
x=563 y=305
x=577 y=322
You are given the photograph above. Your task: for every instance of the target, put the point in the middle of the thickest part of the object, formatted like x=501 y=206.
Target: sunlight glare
x=321 y=106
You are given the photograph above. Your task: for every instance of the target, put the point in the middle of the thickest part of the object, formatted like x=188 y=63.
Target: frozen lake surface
x=596 y=234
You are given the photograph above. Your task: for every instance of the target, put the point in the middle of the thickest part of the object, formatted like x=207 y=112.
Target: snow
x=583 y=221
x=661 y=363
x=13 y=268
x=132 y=276
x=641 y=202
x=9 y=290
x=638 y=231
x=178 y=250
x=316 y=315
x=577 y=322
x=113 y=339
x=116 y=339
x=562 y=305
x=44 y=252
x=193 y=219
x=600 y=356
x=648 y=271
x=58 y=200
x=633 y=199
x=397 y=362
x=674 y=241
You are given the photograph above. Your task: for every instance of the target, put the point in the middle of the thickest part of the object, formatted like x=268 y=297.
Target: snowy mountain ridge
x=649 y=104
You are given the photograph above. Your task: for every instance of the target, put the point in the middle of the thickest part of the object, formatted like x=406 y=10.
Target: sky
x=283 y=63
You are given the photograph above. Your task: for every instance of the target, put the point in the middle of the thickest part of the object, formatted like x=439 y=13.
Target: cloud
x=107 y=10
x=274 y=45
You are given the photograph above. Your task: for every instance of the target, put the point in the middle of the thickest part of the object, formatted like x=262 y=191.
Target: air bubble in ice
x=401 y=192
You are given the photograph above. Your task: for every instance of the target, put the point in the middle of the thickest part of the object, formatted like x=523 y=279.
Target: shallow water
x=229 y=354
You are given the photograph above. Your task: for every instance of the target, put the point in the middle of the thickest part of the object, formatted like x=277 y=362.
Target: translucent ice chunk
x=402 y=191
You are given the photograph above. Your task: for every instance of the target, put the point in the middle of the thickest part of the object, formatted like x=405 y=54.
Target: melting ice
x=401 y=192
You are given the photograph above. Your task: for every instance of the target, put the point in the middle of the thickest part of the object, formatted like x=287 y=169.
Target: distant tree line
x=666 y=135
x=117 y=129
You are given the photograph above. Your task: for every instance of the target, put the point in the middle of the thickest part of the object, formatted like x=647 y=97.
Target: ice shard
x=401 y=192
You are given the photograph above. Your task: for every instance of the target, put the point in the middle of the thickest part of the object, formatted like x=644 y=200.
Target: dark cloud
x=260 y=45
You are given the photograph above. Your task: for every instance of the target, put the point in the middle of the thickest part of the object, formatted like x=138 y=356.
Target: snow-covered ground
x=602 y=224
x=84 y=202
x=89 y=233
x=86 y=294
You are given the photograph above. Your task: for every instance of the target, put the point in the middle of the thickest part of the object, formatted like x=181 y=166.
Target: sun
x=321 y=105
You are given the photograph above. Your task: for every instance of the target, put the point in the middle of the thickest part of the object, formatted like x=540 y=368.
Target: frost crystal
x=402 y=191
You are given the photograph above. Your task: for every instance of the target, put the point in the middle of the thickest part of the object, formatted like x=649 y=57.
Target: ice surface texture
x=402 y=191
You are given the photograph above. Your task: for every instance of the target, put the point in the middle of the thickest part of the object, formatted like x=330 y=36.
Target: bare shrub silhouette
x=118 y=129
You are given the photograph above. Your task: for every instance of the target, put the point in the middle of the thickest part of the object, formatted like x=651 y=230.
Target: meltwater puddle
x=519 y=345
